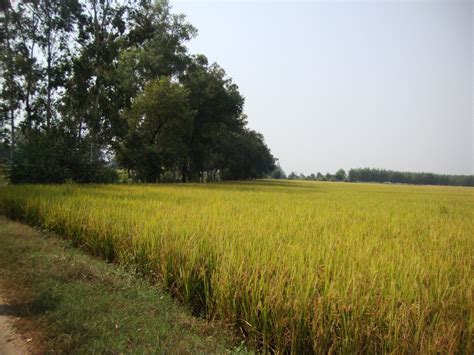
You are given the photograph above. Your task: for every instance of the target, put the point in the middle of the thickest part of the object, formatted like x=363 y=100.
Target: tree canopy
x=89 y=86
x=390 y=176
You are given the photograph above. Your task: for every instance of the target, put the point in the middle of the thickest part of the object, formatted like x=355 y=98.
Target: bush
x=55 y=157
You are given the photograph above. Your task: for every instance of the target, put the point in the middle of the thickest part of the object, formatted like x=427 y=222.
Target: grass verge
x=81 y=304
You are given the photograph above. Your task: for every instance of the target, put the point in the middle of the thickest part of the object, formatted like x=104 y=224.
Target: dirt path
x=11 y=343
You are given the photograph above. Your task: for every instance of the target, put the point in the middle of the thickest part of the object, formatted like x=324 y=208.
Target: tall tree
x=153 y=47
x=89 y=102
x=57 y=23
x=159 y=124
x=340 y=175
x=94 y=78
x=28 y=30
x=218 y=106
x=247 y=157
x=11 y=57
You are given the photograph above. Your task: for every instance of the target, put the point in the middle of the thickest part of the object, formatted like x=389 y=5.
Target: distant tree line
x=89 y=86
x=384 y=176
x=340 y=175
x=390 y=176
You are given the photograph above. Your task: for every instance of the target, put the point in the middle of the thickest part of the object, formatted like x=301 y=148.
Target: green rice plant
x=295 y=266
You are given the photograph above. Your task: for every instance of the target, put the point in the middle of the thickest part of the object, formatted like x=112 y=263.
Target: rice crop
x=301 y=267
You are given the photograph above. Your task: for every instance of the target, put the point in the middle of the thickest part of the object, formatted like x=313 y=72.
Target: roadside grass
x=84 y=305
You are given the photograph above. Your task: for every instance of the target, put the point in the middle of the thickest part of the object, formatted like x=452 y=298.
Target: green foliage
x=278 y=173
x=383 y=176
x=53 y=156
x=340 y=175
x=90 y=72
x=247 y=157
x=159 y=125
x=218 y=123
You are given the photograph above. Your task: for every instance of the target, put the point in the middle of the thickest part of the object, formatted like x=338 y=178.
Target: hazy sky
x=349 y=84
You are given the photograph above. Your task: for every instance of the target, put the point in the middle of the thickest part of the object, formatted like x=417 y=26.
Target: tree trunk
x=49 y=60
x=30 y=76
x=28 y=111
x=12 y=124
x=183 y=173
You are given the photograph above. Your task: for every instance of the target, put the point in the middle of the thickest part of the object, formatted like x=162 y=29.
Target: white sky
x=349 y=84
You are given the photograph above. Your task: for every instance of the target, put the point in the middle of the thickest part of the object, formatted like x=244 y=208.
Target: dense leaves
x=388 y=176
x=89 y=86
x=159 y=125
x=378 y=175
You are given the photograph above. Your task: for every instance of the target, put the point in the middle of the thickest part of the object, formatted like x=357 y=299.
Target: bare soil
x=11 y=342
